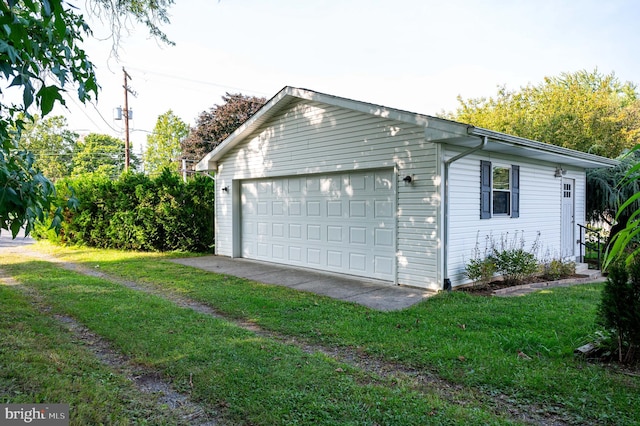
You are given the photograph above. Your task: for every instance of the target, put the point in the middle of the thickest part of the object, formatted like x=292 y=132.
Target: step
x=583 y=268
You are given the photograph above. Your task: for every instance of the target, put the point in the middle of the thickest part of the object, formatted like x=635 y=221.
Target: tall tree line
x=584 y=111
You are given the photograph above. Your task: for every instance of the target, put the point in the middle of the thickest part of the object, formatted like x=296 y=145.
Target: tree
x=213 y=126
x=609 y=189
x=625 y=244
x=41 y=57
x=104 y=154
x=150 y=13
x=585 y=111
x=38 y=39
x=52 y=145
x=163 y=145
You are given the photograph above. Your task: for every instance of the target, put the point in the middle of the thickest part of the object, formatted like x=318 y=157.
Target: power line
x=75 y=102
x=208 y=83
x=81 y=109
x=105 y=121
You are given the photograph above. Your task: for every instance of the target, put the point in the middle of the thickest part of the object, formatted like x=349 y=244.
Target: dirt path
x=147 y=381
x=420 y=380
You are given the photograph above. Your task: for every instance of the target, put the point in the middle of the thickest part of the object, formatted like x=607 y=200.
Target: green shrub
x=512 y=260
x=556 y=269
x=619 y=309
x=507 y=258
x=136 y=212
x=480 y=271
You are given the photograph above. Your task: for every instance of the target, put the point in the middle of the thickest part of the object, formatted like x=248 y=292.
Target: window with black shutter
x=499 y=190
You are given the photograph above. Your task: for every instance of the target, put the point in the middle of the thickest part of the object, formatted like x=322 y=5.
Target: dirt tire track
x=144 y=379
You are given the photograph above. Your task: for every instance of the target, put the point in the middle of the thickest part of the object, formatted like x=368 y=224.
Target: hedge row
x=136 y=212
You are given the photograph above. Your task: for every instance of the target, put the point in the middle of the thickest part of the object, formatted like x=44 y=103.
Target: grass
x=515 y=349
x=41 y=363
x=247 y=378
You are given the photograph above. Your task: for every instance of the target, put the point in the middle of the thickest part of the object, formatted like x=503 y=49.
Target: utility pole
x=126 y=120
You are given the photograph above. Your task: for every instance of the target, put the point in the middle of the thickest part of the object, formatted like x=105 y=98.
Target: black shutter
x=515 y=191
x=485 y=189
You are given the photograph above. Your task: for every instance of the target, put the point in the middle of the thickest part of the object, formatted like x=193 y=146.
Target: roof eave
x=440 y=130
x=586 y=160
x=210 y=160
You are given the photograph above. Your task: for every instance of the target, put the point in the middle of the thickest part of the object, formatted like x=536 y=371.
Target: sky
x=415 y=55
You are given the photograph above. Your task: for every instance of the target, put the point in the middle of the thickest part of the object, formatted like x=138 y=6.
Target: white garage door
x=336 y=222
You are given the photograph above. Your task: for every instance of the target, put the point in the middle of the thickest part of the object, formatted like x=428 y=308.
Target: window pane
x=501 y=202
x=501 y=178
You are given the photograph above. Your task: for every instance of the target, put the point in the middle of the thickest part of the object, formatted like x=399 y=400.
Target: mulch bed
x=489 y=289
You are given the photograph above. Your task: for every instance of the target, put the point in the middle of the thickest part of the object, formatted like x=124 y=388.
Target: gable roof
x=437 y=130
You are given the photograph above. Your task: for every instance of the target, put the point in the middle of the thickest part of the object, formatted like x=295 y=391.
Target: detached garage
x=323 y=182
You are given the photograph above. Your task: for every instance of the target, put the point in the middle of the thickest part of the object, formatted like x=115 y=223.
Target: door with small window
x=568 y=218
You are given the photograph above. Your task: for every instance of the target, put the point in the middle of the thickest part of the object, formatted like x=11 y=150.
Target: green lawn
x=489 y=356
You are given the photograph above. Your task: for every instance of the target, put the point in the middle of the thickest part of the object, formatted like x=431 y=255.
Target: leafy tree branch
x=41 y=57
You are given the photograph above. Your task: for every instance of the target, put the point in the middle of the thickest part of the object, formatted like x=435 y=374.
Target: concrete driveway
x=7 y=242
x=380 y=295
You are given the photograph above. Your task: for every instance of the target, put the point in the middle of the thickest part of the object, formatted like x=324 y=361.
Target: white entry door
x=343 y=222
x=568 y=218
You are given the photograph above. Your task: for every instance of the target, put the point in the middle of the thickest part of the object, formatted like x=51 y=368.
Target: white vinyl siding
x=310 y=138
x=540 y=209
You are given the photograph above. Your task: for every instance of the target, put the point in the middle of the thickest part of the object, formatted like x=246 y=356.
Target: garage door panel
x=383 y=237
x=295 y=253
x=295 y=208
x=358 y=262
x=358 y=208
x=277 y=208
x=383 y=209
x=383 y=265
x=358 y=235
x=341 y=223
x=314 y=232
x=262 y=208
x=312 y=185
x=334 y=208
x=264 y=187
x=334 y=258
x=277 y=230
x=295 y=231
x=384 y=180
x=334 y=234
x=314 y=256
x=358 y=182
x=313 y=209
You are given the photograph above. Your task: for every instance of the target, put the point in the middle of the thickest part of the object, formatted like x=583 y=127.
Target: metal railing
x=590 y=239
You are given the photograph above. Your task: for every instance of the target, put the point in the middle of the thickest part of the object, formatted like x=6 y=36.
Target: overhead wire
x=84 y=112
x=191 y=80
x=105 y=121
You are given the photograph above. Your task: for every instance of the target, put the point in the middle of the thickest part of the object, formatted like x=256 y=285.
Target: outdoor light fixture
x=408 y=179
x=225 y=188
x=560 y=172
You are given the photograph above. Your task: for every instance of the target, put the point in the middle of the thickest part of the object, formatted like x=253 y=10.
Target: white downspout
x=446 y=285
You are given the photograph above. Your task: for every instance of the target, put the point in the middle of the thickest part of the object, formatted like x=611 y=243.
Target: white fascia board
x=583 y=159
x=447 y=126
